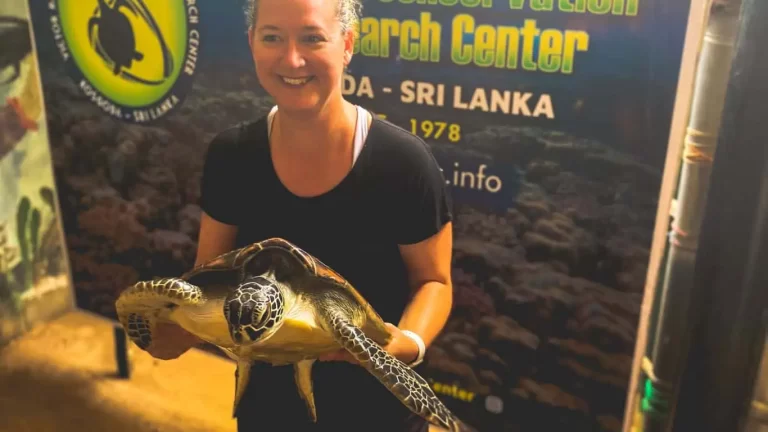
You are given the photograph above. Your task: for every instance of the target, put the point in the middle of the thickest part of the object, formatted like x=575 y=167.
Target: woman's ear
x=349 y=46
x=250 y=37
x=251 y=34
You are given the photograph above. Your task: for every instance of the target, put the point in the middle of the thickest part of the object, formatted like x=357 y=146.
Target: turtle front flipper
x=140 y=305
x=407 y=385
x=303 y=376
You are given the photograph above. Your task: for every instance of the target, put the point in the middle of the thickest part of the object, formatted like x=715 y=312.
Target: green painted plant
x=7 y=252
x=28 y=232
x=8 y=255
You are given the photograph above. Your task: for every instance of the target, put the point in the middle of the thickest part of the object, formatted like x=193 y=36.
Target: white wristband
x=422 y=348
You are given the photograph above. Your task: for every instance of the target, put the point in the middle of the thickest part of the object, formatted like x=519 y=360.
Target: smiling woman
x=301 y=62
x=364 y=196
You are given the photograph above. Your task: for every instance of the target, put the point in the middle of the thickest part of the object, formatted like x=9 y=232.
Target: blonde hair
x=348 y=13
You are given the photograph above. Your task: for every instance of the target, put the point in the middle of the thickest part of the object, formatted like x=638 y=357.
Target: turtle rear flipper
x=303 y=376
x=407 y=385
x=242 y=376
x=142 y=304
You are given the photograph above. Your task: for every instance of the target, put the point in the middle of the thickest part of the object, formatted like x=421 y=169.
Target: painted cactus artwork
x=34 y=269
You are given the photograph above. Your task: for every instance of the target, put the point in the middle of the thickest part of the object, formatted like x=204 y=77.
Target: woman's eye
x=313 y=39
x=270 y=38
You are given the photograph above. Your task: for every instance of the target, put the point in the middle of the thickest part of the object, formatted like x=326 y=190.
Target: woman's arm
x=429 y=268
x=215 y=238
x=421 y=223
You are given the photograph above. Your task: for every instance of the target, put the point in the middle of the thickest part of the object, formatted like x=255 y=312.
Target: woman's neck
x=330 y=130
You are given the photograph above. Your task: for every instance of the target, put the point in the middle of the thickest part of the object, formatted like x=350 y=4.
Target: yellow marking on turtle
x=299 y=329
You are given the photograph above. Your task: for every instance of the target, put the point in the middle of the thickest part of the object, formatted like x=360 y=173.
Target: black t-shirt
x=394 y=194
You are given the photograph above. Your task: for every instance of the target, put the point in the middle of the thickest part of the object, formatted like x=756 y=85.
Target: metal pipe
x=663 y=369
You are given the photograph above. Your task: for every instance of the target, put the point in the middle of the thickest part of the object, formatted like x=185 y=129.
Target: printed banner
x=34 y=279
x=549 y=118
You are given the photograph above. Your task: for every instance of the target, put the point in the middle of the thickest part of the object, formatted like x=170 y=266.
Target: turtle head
x=253 y=310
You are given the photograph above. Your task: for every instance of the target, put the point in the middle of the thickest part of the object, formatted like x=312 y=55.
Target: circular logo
x=135 y=59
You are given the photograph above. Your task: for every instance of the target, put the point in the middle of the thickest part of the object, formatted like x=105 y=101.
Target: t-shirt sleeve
x=216 y=193
x=424 y=202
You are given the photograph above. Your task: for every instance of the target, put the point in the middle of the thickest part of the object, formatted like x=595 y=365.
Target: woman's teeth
x=295 y=81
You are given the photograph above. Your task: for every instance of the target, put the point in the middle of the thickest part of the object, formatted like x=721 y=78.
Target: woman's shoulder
x=392 y=133
x=397 y=144
x=235 y=138
x=403 y=160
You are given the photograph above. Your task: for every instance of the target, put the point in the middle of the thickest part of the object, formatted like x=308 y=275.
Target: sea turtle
x=273 y=302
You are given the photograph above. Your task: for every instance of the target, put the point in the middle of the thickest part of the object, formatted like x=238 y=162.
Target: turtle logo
x=135 y=59
x=113 y=38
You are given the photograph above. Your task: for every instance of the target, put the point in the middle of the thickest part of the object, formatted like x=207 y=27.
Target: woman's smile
x=296 y=81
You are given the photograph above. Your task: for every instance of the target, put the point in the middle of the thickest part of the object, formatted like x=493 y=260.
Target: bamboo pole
x=698 y=15
x=664 y=367
x=723 y=387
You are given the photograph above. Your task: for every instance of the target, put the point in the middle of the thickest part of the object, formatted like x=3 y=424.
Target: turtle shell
x=289 y=262
x=235 y=260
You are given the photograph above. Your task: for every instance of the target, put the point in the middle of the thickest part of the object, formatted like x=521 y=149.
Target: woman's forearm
x=428 y=310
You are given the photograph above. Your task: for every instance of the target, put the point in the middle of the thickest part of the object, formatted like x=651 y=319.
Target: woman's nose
x=293 y=56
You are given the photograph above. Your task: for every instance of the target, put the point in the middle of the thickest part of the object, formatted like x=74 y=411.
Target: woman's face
x=299 y=51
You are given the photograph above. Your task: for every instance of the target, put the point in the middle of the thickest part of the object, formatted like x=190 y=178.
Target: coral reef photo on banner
x=549 y=119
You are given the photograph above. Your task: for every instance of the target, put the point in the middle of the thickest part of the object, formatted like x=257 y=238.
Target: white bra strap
x=270 y=119
x=360 y=133
x=361 y=130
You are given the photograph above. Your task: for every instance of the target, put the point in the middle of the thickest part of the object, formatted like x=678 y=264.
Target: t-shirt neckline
x=341 y=185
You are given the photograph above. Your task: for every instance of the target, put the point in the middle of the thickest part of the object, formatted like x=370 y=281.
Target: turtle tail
x=138 y=305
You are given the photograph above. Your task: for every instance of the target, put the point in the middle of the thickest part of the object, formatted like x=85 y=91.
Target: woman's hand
x=401 y=347
x=171 y=341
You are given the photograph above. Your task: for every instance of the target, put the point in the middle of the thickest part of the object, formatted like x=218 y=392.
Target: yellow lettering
x=507 y=46
x=415 y=40
x=453 y=390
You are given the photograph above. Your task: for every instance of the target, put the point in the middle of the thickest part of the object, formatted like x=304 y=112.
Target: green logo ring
x=133 y=61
